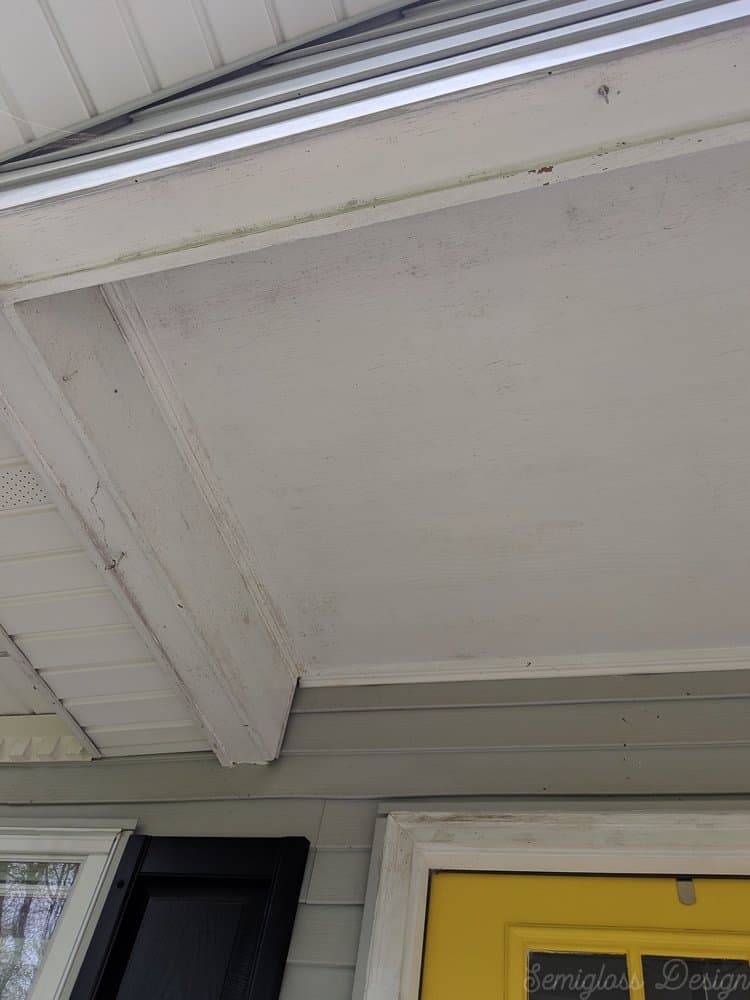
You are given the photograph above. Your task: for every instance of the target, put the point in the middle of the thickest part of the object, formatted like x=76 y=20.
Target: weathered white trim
x=85 y=435
x=659 y=661
x=137 y=336
x=33 y=739
x=96 y=849
x=699 y=843
x=283 y=182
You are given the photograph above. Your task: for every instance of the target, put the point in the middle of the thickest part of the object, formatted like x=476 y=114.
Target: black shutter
x=196 y=919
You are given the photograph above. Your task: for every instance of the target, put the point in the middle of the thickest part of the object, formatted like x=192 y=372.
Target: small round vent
x=19 y=487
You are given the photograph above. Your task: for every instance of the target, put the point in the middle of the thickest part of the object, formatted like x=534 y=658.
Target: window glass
x=673 y=978
x=577 y=976
x=32 y=897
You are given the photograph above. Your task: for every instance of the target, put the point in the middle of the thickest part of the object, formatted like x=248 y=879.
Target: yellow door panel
x=534 y=937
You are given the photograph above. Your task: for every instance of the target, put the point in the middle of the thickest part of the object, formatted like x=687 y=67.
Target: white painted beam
x=308 y=175
x=81 y=408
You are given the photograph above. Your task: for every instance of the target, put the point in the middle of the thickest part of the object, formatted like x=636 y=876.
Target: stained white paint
x=512 y=429
x=151 y=533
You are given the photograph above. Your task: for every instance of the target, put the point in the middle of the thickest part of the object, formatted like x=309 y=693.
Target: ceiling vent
x=19 y=487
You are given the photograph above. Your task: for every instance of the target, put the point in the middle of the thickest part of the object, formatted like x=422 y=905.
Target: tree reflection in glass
x=32 y=896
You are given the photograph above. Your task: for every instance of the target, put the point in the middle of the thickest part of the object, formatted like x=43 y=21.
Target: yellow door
x=586 y=937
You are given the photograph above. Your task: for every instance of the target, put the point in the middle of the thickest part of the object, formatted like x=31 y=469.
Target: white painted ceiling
x=510 y=429
x=63 y=62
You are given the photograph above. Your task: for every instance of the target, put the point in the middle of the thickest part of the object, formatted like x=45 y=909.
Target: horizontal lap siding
x=349 y=748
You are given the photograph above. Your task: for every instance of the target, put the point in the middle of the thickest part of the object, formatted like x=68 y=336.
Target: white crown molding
x=76 y=401
x=36 y=739
x=309 y=176
x=514 y=668
x=413 y=844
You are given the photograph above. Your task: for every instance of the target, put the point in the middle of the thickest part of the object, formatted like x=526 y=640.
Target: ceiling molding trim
x=16 y=660
x=38 y=739
x=72 y=392
x=523 y=667
x=137 y=336
x=312 y=176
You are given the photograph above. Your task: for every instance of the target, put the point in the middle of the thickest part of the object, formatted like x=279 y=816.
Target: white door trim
x=416 y=843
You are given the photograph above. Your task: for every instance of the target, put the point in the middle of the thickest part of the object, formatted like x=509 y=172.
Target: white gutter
x=593 y=37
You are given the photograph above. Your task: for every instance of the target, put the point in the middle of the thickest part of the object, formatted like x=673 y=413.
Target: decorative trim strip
x=514 y=668
x=34 y=739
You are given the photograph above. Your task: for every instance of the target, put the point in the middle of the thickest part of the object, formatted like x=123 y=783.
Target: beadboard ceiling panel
x=57 y=609
x=63 y=63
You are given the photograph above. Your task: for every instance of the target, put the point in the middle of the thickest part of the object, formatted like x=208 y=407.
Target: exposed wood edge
x=31 y=675
x=528 y=668
x=48 y=422
x=137 y=336
x=327 y=178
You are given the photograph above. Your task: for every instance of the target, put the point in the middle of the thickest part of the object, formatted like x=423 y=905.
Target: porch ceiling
x=499 y=432
x=457 y=391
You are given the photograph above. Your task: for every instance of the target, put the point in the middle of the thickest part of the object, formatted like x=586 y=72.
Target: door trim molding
x=416 y=843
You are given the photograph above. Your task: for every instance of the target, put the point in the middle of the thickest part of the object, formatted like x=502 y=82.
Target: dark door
x=196 y=919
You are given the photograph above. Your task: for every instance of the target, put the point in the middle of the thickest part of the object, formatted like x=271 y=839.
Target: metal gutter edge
x=356 y=102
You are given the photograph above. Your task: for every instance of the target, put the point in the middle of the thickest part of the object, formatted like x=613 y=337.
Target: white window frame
x=97 y=850
x=633 y=843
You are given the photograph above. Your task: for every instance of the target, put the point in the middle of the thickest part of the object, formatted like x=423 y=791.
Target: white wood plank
x=99 y=42
x=339 y=877
x=104 y=681
x=50 y=99
x=148 y=738
x=159 y=708
x=680 y=721
x=173 y=39
x=679 y=89
x=240 y=27
x=298 y=18
x=145 y=749
x=118 y=644
x=45 y=573
x=33 y=531
x=52 y=612
x=305 y=982
x=325 y=935
x=347 y=824
x=355 y=8
x=17 y=698
x=708 y=682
